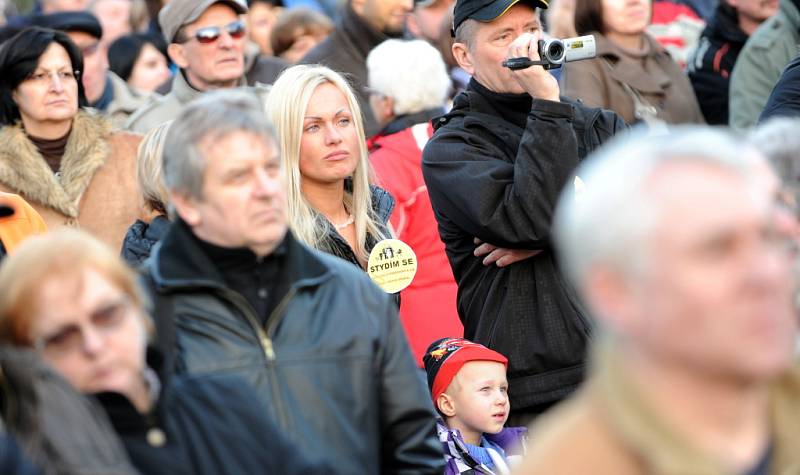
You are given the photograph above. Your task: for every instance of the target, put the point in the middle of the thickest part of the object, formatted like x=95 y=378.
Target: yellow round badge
x=392 y=265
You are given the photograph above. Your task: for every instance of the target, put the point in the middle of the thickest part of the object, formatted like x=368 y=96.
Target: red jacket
x=428 y=306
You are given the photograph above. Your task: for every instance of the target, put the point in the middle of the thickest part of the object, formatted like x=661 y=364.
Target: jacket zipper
x=266 y=344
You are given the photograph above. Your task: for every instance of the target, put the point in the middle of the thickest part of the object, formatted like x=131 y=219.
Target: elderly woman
x=66 y=162
x=71 y=298
x=146 y=232
x=632 y=74
x=333 y=205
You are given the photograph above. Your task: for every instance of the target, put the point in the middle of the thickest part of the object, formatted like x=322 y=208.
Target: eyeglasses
x=71 y=338
x=210 y=34
x=46 y=78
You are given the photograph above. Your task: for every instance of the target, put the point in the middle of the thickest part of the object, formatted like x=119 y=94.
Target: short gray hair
x=412 y=72
x=213 y=116
x=607 y=216
x=465 y=33
x=779 y=141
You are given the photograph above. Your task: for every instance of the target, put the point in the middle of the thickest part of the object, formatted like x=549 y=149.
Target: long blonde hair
x=286 y=107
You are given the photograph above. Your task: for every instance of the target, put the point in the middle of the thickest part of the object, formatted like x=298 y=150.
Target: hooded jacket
x=761 y=62
x=711 y=64
x=495 y=168
x=96 y=188
x=330 y=364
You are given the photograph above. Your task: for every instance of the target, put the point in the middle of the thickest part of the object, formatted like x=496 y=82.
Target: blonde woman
x=333 y=205
x=146 y=232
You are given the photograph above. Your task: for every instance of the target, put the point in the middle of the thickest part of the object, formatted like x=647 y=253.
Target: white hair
x=779 y=141
x=412 y=72
x=606 y=219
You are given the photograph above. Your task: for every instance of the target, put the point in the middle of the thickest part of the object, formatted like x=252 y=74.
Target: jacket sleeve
x=582 y=81
x=409 y=443
x=752 y=81
x=505 y=200
x=785 y=98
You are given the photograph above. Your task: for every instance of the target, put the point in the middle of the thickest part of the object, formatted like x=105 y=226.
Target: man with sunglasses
x=207 y=41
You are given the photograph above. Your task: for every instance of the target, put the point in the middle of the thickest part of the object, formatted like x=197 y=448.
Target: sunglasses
x=210 y=34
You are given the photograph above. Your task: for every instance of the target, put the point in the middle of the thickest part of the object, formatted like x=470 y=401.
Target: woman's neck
x=327 y=199
x=47 y=130
x=628 y=42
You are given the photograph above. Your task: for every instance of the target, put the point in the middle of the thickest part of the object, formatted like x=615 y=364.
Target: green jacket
x=760 y=64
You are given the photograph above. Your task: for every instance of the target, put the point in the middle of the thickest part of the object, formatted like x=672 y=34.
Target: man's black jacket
x=711 y=64
x=494 y=169
x=331 y=362
x=784 y=101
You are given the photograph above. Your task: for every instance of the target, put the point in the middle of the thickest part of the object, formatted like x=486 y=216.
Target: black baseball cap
x=487 y=10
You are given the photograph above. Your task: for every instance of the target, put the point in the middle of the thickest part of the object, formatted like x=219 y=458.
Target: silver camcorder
x=555 y=52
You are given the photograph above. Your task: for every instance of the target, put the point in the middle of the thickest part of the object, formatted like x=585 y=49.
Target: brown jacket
x=652 y=74
x=96 y=188
x=606 y=429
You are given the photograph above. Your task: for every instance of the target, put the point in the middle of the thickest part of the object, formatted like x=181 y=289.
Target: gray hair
x=465 y=33
x=213 y=116
x=779 y=141
x=411 y=72
x=606 y=217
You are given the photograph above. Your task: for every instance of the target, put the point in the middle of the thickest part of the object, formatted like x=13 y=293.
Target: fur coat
x=96 y=188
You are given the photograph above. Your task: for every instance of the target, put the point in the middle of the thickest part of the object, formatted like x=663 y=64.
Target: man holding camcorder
x=494 y=169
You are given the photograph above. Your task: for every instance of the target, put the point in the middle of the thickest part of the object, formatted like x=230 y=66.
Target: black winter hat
x=70 y=21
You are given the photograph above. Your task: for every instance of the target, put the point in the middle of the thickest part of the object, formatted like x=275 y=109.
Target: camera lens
x=555 y=51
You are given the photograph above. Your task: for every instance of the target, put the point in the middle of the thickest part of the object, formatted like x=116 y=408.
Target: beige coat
x=652 y=74
x=606 y=429
x=96 y=188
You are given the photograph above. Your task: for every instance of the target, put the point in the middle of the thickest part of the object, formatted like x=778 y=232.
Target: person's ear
x=463 y=57
x=613 y=298
x=385 y=108
x=358 y=6
x=446 y=405
x=177 y=54
x=186 y=207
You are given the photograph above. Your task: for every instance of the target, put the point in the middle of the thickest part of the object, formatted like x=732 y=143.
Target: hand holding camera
x=554 y=52
x=535 y=81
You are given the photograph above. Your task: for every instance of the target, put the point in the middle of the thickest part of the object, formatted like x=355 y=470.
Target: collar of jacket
x=24 y=170
x=178 y=262
x=623 y=65
x=724 y=25
x=401 y=123
x=382 y=206
x=186 y=93
x=360 y=34
x=791 y=8
x=126 y=99
x=662 y=450
x=123 y=414
x=512 y=107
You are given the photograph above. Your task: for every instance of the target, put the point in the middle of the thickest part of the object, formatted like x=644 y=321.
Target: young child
x=469 y=389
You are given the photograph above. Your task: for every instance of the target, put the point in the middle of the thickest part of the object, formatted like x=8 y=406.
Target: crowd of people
x=193 y=194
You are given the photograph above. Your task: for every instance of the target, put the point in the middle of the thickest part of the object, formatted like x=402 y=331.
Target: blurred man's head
x=751 y=13
x=260 y=22
x=222 y=168
x=52 y=6
x=387 y=16
x=425 y=21
x=85 y=31
x=207 y=40
x=673 y=243
x=115 y=16
x=406 y=77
